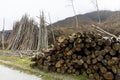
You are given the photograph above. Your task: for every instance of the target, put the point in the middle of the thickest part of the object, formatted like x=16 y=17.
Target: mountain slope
x=87 y=18
x=70 y=22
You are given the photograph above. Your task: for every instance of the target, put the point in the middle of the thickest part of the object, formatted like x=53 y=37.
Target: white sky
x=13 y=10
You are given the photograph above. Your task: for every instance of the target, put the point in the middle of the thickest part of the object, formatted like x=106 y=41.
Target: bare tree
x=3 y=47
x=24 y=35
x=53 y=35
x=76 y=18
x=43 y=36
x=98 y=11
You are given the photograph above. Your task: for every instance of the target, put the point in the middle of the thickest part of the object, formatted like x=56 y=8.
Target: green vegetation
x=23 y=64
x=25 y=61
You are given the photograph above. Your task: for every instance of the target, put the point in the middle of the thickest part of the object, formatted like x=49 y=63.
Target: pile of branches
x=83 y=53
x=24 y=35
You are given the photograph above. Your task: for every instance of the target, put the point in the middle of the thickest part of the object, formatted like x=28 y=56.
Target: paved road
x=9 y=74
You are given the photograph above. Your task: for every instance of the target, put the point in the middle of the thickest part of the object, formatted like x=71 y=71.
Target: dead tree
x=76 y=18
x=43 y=36
x=24 y=35
x=53 y=35
x=98 y=11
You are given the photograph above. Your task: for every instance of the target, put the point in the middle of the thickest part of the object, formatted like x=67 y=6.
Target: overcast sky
x=12 y=10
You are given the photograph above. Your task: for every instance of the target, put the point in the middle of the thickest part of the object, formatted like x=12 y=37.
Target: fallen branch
x=103 y=31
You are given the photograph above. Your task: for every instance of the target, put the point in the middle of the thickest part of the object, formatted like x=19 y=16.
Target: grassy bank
x=22 y=64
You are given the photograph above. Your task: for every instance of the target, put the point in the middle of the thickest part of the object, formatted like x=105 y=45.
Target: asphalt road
x=10 y=74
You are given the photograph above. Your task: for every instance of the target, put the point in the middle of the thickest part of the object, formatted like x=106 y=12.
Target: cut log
x=108 y=76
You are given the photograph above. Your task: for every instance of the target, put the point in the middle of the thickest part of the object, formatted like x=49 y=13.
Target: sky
x=13 y=10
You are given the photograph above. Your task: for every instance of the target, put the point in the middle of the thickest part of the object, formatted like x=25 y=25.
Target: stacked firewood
x=83 y=53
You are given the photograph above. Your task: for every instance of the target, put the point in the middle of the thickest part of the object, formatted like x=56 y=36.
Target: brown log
x=103 y=52
x=114 y=69
x=108 y=42
x=71 y=39
x=107 y=57
x=79 y=57
x=105 y=62
x=59 y=63
x=98 y=47
x=112 y=52
x=88 y=61
x=94 y=61
x=69 y=71
x=108 y=76
x=61 y=39
x=97 y=76
x=93 y=44
x=89 y=71
x=69 y=53
x=91 y=76
x=87 y=45
x=103 y=70
x=78 y=40
x=85 y=65
x=101 y=42
x=80 y=62
x=116 y=46
x=100 y=58
x=117 y=77
x=95 y=67
x=87 y=52
x=107 y=49
x=58 y=70
x=88 y=40
x=77 y=73
x=49 y=58
x=113 y=61
x=74 y=56
x=79 y=34
x=73 y=70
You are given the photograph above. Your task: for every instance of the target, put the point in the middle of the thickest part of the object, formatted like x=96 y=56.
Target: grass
x=5 y=51
x=23 y=64
x=25 y=61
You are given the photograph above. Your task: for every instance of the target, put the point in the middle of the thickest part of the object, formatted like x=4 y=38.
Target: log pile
x=83 y=53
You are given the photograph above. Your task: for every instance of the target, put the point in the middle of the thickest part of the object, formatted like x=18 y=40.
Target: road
x=10 y=74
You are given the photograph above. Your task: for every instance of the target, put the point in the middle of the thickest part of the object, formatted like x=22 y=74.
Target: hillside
x=112 y=25
x=88 y=18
